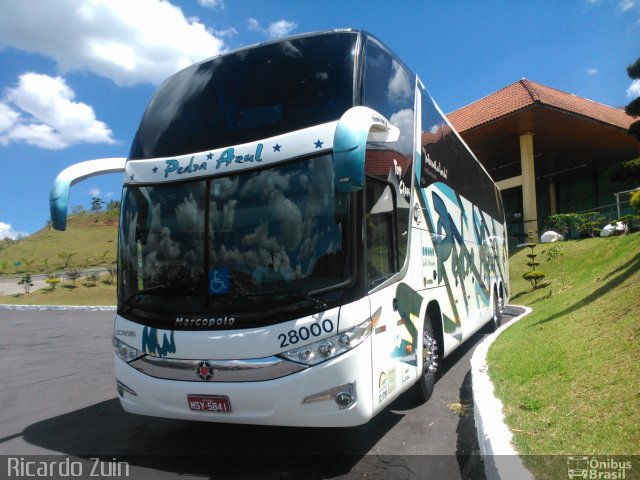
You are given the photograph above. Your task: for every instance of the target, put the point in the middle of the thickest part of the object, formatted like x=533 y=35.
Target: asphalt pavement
x=58 y=397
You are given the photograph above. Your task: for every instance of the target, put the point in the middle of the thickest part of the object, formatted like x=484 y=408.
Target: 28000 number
x=292 y=337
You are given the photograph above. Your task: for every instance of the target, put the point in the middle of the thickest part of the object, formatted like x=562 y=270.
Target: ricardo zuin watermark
x=21 y=467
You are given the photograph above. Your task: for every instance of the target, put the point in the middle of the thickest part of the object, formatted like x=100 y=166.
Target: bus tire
x=430 y=365
x=496 y=312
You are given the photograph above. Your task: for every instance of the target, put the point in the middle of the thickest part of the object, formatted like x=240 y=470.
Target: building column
x=529 y=206
x=553 y=203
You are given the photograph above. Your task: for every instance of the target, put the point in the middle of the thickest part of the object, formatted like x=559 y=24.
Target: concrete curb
x=102 y=308
x=494 y=437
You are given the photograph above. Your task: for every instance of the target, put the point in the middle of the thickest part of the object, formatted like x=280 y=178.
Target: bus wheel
x=496 y=316
x=430 y=367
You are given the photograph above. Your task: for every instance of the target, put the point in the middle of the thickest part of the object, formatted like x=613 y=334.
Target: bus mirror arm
x=59 y=196
x=356 y=127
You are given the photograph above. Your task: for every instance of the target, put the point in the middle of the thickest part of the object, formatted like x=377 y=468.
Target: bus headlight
x=125 y=352
x=332 y=347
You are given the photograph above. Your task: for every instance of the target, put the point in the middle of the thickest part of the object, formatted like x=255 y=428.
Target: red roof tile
x=524 y=93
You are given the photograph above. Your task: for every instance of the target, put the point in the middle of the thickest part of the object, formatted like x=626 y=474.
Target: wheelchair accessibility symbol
x=219 y=281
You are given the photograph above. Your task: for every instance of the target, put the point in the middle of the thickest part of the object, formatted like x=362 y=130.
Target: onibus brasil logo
x=595 y=468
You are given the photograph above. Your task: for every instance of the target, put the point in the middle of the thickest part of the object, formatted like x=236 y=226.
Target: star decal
x=155 y=169
x=131 y=177
x=209 y=156
x=318 y=144
x=277 y=147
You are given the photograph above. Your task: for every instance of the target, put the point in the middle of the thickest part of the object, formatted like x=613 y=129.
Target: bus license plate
x=209 y=403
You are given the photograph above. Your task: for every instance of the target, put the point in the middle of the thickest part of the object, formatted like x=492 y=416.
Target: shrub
x=533 y=276
x=628 y=220
x=73 y=274
x=592 y=224
x=635 y=200
x=557 y=253
x=53 y=282
x=565 y=223
x=26 y=283
x=92 y=279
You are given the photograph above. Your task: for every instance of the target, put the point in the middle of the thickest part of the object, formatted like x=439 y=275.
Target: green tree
x=635 y=200
x=557 y=253
x=633 y=108
x=96 y=204
x=66 y=258
x=533 y=276
x=26 y=283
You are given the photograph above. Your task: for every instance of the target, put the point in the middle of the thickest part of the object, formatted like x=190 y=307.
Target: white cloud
x=592 y=71
x=400 y=89
x=8 y=117
x=281 y=28
x=212 y=4
x=95 y=192
x=40 y=111
x=278 y=29
x=254 y=25
x=634 y=89
x=7 y=231
x=626 y=5
x=127 y=42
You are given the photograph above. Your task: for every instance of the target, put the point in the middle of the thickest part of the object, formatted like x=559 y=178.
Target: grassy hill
x=90 y=238
x=568 y=372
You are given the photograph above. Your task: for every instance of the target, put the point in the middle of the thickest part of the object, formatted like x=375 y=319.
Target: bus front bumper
x=336 y=393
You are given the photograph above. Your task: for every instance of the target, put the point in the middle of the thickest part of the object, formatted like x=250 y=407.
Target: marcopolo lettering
x=205 y=322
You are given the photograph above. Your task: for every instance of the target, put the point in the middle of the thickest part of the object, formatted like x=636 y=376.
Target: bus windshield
x=254 y=93
x=224 y=245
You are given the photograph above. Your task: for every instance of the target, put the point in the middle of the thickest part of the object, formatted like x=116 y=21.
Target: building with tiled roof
x=547 y=150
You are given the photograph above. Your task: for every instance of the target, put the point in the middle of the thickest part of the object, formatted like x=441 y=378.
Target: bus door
x=394 y=339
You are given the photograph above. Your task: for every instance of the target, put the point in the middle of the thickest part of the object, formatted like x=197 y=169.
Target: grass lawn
x=66 y=294
x=569 y=373
x=90 y=240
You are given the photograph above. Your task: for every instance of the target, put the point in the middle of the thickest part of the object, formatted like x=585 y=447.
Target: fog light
x=122 y=389
x=344 y=395
x=344 y=399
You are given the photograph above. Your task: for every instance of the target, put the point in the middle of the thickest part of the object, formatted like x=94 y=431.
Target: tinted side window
x=382 y=259
x=446 y=159
x=389 y=89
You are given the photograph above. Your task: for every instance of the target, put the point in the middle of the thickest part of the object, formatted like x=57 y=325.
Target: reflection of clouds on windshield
x=282 y=221
x=290 y=50
x=404 y=121
x=224 y=187
x=400 y=89
x=289 y=219
x=189 y=216
x=264 y=182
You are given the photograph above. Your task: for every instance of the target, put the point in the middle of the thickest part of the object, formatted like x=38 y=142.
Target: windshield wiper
x=152 y=290
x=289 y=294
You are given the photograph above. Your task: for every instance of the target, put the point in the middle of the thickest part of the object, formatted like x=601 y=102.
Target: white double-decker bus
x=302 y=235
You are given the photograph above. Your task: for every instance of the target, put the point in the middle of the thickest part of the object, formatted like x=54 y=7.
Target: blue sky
x=75 y=76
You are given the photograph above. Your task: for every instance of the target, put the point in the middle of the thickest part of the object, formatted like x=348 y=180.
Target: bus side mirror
x=59 y=196
x=356 y=127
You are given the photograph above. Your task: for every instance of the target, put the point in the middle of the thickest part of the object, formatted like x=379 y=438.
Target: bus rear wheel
x=496 y=316
x=430 y=366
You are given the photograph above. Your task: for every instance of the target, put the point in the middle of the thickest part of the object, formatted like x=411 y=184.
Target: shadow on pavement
x=219 y=450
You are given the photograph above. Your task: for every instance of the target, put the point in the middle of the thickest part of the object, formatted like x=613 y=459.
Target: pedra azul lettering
x=174 y=166
x=228 y=157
